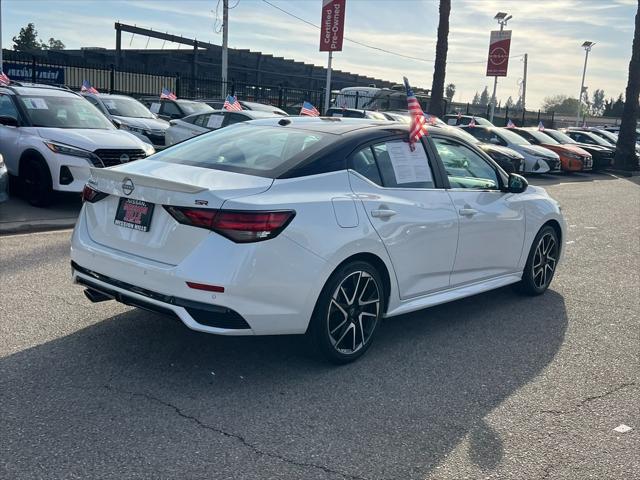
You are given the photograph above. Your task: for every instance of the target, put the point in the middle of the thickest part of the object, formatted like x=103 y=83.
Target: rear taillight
x=91 y=195
x=238 y=226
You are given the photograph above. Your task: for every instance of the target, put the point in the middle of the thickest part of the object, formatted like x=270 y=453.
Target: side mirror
x=517 y=183
x=8 y=121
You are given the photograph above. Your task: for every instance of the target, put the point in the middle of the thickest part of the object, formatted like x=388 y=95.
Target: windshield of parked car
x=541 y=137
x=559 y=136
x=598 y=140
x=126 y=107
x=64 y=111
x=465 y=135
x=243 y=148
x=608 y=136
x=194 y=107
x=511 y=137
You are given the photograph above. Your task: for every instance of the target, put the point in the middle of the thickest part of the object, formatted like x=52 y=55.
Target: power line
x=373 y=47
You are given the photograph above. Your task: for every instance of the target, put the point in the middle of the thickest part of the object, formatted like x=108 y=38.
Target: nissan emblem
x=127 y=186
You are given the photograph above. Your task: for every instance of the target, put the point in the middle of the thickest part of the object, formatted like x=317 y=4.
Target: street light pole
x=502 y=18
x=587 y=48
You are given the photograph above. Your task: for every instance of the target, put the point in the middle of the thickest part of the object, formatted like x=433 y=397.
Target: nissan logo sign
x=124 y=158
x=127 y=186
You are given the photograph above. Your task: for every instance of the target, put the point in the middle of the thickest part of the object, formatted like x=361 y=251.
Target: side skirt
x=452 y=294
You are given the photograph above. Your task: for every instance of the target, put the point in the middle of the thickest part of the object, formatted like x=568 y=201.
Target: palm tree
x=625 y=158
x=439 y=71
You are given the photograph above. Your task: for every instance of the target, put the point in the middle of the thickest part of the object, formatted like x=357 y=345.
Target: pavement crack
x=589 y=399
x=234 y=436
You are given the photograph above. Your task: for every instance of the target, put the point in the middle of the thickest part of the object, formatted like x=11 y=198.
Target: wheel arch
x=556 y=227
x=376 y=262
x=31 y=153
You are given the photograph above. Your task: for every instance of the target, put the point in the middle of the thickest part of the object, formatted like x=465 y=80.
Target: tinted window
x=465 y=168
x=170 y=108
x=512 y=137
x=243 y=148
x=7 y=108
x=402 y=168
x=126 y=107
x=236 y=118
x=364 y=163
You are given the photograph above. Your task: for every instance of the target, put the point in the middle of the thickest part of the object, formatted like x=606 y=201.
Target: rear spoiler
x=143 y=180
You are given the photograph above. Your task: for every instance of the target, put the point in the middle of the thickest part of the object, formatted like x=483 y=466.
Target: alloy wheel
x=544 y=260
x=353 y=312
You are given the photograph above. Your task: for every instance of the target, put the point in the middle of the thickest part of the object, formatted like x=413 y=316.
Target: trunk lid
x=159 y=183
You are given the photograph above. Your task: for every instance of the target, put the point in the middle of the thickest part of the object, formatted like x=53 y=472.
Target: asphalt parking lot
x=494 y=386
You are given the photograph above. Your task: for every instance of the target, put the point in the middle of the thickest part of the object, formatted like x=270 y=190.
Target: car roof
x=109 y=95
x=38 y=89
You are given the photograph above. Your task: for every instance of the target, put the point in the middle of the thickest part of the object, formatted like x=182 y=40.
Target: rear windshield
x=541 y=137
x=194 y=107
x=559 y=136
x=251 y=149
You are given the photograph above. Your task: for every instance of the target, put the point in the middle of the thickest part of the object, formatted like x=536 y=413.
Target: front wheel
x=348 y=312
x=36 y=182
x=541 y=263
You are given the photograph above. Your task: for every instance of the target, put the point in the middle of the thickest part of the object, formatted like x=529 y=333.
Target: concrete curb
x=8 y=228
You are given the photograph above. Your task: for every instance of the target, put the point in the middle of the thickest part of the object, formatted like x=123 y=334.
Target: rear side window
x=255 y=150
x=7 y=108
x=397 y=166
x=170 y=108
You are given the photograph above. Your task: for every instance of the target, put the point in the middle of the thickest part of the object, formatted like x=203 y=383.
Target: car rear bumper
x=270 y=287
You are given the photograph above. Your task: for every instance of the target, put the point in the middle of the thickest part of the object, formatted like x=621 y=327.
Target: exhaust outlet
x=96 y=296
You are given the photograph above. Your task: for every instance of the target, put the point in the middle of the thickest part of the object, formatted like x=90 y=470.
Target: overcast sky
x=550 y=31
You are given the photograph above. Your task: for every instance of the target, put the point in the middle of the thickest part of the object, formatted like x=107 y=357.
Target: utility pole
x=524 y=83
x=327 y=94
x=225 y=40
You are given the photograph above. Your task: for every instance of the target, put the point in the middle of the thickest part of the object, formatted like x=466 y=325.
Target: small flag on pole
x=541 y=126
x=510 y=124
x=472 y=123
x=87 y=88
x=4 y=80
x=168 y=94
x=309 y=110
x=418 y=126
x=232 y=104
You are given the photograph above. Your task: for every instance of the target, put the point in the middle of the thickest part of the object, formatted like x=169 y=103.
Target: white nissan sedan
x=321 y=226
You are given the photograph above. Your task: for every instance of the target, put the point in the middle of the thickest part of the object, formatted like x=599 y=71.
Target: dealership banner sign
x=22 y=73
x=498 y=61
x=332 y=25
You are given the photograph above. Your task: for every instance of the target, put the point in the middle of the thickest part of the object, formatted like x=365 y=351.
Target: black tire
x=36 y=182
x=339 y=322
x=541 y=262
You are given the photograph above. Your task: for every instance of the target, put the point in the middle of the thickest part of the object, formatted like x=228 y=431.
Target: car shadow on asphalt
x=128 y=386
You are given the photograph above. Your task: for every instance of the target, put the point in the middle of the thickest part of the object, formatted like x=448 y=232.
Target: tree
x=484 y=97
x=614 y=108
x=509 y=103
x=439 y=70
x=561 y=104
x=625 y=156
x=450 y=91
x=27 y=39
x=476 y=99
x=54 y=44
x=597 y=106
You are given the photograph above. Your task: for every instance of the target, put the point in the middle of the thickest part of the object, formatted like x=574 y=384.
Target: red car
x=572 y=157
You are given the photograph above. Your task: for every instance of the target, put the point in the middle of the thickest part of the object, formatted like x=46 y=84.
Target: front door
x=492 y=222
x=414 y=218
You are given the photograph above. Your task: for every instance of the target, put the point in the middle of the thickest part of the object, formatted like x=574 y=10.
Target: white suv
x=50 y=137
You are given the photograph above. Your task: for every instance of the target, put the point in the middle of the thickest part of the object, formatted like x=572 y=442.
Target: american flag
x=418 y=126
x=431 y=119
x=472 y=123
x=309 y=110
x=86 y=87
x=4 y=80
x=232 y=104
x=510 y=124
x=541 y=126
x=168 y=94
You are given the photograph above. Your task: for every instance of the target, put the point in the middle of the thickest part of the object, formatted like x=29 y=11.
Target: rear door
x=413 y=216
x=492 y=222
x=10 y=136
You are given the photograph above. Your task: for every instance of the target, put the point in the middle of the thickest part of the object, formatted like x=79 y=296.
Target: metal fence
x=142 y=82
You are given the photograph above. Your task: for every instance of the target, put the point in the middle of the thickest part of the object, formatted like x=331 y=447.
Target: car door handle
x=383 y=213
x=467 y=212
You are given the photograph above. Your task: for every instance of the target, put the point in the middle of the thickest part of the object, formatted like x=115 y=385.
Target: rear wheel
x=348 y=312
x=36 y=182
x=541 y=263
